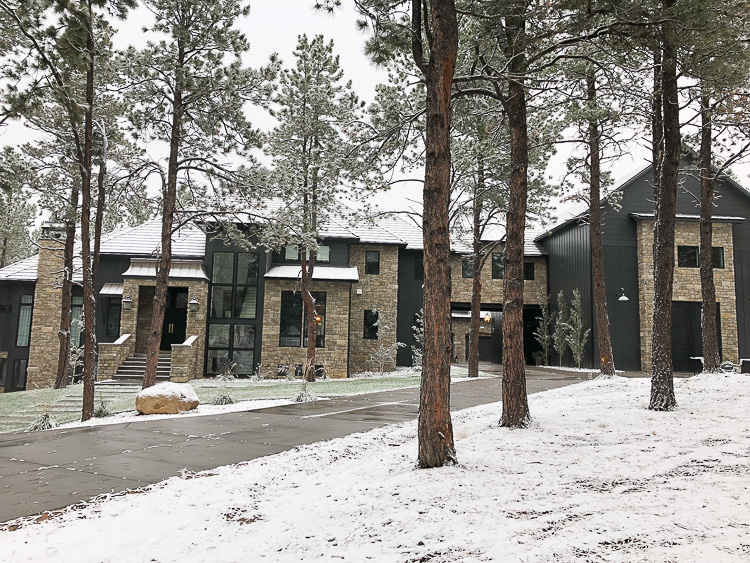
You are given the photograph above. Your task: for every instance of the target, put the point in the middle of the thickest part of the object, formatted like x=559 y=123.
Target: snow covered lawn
x=597 y=477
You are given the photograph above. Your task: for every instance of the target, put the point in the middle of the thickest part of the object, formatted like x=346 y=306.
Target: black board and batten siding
x=410 y=302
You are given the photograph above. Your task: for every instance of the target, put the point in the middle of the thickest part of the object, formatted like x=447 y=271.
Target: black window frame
x=114 y=304
x=23 y=307
x=370 y=327
x=298 y=254
x=284 y=314
x=528 y=271
x=717 y=258
x=372 y=267
x=467 y=268
x=498 y=265
x=685 y=260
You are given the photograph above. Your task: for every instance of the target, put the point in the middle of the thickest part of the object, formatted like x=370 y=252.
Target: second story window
x=292 y=253
x=498 y=266
x=528 y=270
x=689 y=256
x=467 y=268
x=24 y=320
x=234 y=285
x=717 y=256
x=372 y=262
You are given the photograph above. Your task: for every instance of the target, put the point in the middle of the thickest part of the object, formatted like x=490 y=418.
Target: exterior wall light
x=318 y=319
x=127 y=303
x=487 y=317
x=193 y=304
x=621 y=295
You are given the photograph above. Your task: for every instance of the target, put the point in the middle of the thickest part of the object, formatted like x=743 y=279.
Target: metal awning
x=181 y=269
x=467 y=314
x=111 y=289
x=320 y=273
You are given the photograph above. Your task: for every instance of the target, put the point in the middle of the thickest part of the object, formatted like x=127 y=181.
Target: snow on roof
x=328 y=273
x=144 y=240
x=25 y=270
x=690 y=217
x=182 y=269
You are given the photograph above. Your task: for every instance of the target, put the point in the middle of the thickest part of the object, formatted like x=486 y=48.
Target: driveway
x=50 y=470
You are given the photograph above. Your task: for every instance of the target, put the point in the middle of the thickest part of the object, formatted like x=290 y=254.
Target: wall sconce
x=127 y=303
x=318 y=319
x=193 y=304
x=487 y=317
x=621 y=295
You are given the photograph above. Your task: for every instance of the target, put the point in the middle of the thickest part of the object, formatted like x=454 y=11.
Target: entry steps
x=134 y=368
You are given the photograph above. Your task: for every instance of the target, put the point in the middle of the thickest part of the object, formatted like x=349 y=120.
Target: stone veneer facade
x=44 y=344
x=378 y=291
x=460 y=328
x=687 y=283
x=333 y=356
x=492 y=289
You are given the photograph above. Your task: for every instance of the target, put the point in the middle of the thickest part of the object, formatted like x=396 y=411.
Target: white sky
x=273 y=27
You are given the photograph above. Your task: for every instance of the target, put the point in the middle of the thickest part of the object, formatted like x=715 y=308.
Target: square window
x=687 y=256
x=467 y=268
x=245 y=300
x=223 y=268
x=291 y=253
x=372 y=262
x=717 y=256
x=218 y=336
x=528 y=270
x=218 y=360
x=324 y=254
x=244 y=336
x=244 y=360
x=371 y=325
x=498 y=266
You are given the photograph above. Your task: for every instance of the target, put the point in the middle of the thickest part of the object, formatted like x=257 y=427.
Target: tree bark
x=662 y=382
x=66 y=298
x=515 y=401
x=89 y=299
x=435 y=429
x=476 y=282
x=606 y=358
x=711 y=360
x=168 y=211
x=657 y=126
x=310 y=314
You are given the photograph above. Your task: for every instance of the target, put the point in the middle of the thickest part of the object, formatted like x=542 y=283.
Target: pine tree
x=560 y=332
x=187 y=90
x=16 y=213
x=542 y=332
x=576 y=336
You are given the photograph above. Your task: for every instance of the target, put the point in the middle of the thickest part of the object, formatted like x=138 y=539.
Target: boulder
x=166 y=398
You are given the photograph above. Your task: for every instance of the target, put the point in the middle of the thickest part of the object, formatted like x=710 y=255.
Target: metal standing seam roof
x=320 y=273
x=144 y=240
x=180 y=269
x=689 y=217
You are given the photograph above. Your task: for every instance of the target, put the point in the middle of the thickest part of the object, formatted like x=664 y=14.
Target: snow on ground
x=597 y=477
x=200 y=410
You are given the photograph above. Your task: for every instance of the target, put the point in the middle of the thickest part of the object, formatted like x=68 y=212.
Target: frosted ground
x=597 y=477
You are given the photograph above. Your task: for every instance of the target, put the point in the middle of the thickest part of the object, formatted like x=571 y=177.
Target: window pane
x=498 y=266
x=372 y=262
x=324 y=254
x=18 y=378
x=371 y=324
x=245 y=302
x=218 y=336
x=528 y=270
x=221 y=302
x=24 y=321
x=320 y=309
x=218 y=360
x=687 y=256
x=418 y=268
x=467 y=268
x=244 y=336
x=244 y=361
x=223 y=267
x=291 y=253
x=114 y=311
x=717 y=256
x=290 y=327
x=247 y=268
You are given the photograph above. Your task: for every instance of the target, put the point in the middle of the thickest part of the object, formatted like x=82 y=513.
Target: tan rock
x=166 y=398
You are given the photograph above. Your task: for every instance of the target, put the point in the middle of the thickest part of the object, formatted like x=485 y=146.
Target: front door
x=175 y=318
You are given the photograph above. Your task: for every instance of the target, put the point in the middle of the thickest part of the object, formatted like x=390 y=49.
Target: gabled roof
x=144 y=240
x=25 y=270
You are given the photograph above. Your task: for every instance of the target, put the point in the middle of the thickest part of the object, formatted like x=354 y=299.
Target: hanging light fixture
x=127 y=303
x=621 y=295
x=318 y=319
x=193 y=304
x=487 y=317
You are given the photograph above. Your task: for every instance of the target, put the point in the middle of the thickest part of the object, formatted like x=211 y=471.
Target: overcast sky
x=273 y=27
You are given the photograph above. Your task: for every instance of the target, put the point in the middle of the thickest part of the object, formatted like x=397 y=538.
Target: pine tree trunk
x=66 y=298
x=168 y=211
x=89 y=299
x=657 y=127
x=606 y=359
x=711 y=358
x=435 y=429
x=662 y=382
x=310 y=314
x=476 y=282
x=515 y=402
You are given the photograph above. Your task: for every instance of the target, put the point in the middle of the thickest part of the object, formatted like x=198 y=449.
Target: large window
x=689 y=256
x=498 y=266
x=372 y=262
x=293 y=325
x=231 y=341
x=234 y=285
x=467 y=268
x=371 y=325
x=76 y=321
x=25 y=310
x=528 y=271
x=292 y=253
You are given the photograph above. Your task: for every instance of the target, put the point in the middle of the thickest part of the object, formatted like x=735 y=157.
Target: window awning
x=111 y=289
x=181 y=269
x=320 y=273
